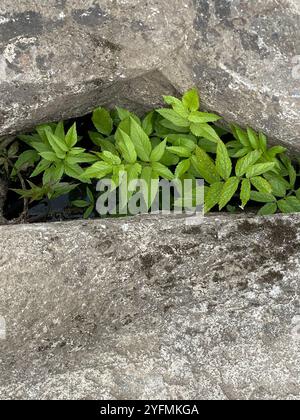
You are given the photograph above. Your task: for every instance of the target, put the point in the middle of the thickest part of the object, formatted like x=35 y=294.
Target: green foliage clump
x=178 y=142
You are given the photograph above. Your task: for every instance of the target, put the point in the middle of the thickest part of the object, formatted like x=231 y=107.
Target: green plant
x=7 y=157
x=184 y=139
x=58 y=153
x=259 y=174
x=52 y=191
x=88 y=204
x=175 y=143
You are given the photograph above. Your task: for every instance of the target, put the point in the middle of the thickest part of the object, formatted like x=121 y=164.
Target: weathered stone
x=151 y=308
x=63 y=58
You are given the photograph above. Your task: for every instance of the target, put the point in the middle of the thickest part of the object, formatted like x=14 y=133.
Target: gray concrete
x=62 y=58
x=151 y=308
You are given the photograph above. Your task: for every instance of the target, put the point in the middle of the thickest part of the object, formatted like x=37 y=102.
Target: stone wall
x=151 y=308
x=62 y=58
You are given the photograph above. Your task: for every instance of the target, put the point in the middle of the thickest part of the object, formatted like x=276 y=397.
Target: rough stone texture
x=62 y=58
x=151 y=308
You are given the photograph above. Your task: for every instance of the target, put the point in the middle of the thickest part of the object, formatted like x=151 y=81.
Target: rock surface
x=63 y=58
x=151 y=308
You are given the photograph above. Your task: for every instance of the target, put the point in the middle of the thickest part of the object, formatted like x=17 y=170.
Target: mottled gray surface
x=151 y=308
x=62 y=58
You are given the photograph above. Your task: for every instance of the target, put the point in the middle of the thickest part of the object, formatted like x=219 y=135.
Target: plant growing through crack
x=179 y=142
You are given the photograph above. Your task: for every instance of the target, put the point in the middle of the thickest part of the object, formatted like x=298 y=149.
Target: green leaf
x=104 y=144
x=41 y=167
x=268 y=209
x=41 y=147
x=259 y=169
x=158 y=152
x=60 y=130
x=109 y=146
x=140 y=140
x=241 y=152
x=62 y=188
x=203 y=117
x=71 y=137
x=233 y=144
x=58 y=146
x=208 y=146
x=95 y=137
x=152 y=183
x=245 y=192
x=261 y=184
x=171 y=100
x=124 y=114
x=50 y=156
x=53 y=174
x=286 y=207
x=263 y=142
x=206 y=131
x=42 y=131
x=99 y=170
x=162 y=171
x=173 y=117
x=181 y=110
x=133 y=172
x=88 y=212
x=126 y=147
x=212 y=196
x=191 y=100
x=102 y=121
x=276 y=150
x=177 y=105
x=253 y=138
x=246 y=162
x=148 y=123
x=179 y=151
x=294 y=203
x=110 y=158
x=205 y=166
x=292 y=175
x=262 y=198
x=80 y=203
x=166 y=127
x=13 y=150
x=90 y=195
x=82 y=158
x=176 y=139
x=229 y=189
x=25 y=160
x=28 y=139
x=278 y=183
x=34 y=194
x=223 y=162
x=279 y=166
x=241 y=136
x=290 y=169
x=182 y=168
x=179 y=140
x=169 y=159
x=47 y=175
x=74 y=171
x=118 y=174
x=58 y=172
